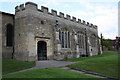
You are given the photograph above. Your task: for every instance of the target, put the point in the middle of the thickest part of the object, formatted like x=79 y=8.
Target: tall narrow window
x=65 y=39
x=93 y=41
x=9 y=35
x=62 y=40
x=81 y=41
x=68 y=40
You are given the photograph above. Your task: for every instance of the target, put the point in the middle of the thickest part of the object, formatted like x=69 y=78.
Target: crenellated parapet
x=74 y=19
x=31 y=5
x=83 y=22
x=45 y=10
x=61 y=14
x=68 y=17
x=28 y=5
x=79 y=21
x=54 y=12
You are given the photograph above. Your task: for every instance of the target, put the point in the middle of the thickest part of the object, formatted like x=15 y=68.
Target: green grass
x=48 y=73
x=107 y=53
x=106 y=64
x=11 y=65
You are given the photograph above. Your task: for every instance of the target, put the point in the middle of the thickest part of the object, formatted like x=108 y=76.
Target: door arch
x=42 y=50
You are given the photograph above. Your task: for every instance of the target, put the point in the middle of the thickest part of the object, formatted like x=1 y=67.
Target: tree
x=106 y=43
x=119 y=42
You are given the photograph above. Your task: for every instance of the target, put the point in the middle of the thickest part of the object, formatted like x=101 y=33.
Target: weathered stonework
x=33 y=25
x=6 y=19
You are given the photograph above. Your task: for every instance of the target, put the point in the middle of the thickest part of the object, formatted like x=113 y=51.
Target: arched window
x=9 y=35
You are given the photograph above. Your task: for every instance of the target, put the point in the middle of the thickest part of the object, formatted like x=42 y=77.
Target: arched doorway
x=42 y=50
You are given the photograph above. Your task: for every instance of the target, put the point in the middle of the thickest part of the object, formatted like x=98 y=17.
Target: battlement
x=44 y=9
x=27 y=5
x=74 y=19
x=79 y=21
x=54 y=12
x=68 y=17
x=83 y=22
x=33 y=6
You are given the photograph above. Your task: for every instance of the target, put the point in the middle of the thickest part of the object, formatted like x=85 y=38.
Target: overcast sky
x=103 y=13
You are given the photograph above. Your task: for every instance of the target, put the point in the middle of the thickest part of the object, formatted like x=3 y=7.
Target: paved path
x=46 y=64
x=51 y=63
x=62 y=64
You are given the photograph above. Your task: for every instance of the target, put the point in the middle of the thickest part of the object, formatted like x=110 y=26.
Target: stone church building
x=33 y=34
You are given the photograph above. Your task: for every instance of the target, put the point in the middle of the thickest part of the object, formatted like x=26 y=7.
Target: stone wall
x=33 y=25
x=6 y=19
x=38 y=24
x=0 y=34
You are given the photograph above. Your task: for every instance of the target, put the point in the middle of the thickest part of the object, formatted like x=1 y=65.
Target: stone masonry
x=42 y=35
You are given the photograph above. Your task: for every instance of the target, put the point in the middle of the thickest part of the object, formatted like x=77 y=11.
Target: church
x=33 y=34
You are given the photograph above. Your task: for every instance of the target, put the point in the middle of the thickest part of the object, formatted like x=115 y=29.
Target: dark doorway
x=42 y=50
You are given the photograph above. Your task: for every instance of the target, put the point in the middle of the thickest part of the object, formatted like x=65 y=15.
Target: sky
x=103 y=13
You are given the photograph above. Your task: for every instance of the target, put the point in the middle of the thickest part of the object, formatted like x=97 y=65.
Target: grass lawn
x=106 y=53
x=11 y=65
x=48 y=73
x=106 y=64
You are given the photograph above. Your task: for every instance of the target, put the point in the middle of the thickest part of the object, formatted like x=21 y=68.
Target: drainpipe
x=101 y=41
x=86 y=43
x=13 y=37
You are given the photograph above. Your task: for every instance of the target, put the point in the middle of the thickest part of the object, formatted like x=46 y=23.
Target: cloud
x=119 y=19
x=39 y=6
x=105 y=16
x=107 y=21
x=53 y=2
x=60 y=0
x=66 y=5
x=102 y=13
x=77 y=13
